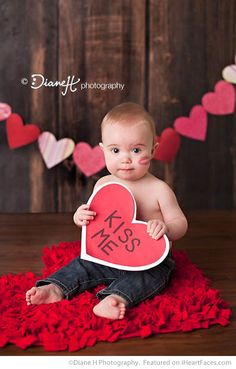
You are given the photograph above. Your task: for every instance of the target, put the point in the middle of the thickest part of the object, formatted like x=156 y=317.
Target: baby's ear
x=155 y=146
x=101 y=145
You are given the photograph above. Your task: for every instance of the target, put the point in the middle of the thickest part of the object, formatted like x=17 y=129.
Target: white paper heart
x=53 y=151
x=229 y=73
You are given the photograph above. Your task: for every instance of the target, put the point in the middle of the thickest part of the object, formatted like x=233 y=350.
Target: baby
x=128 y=143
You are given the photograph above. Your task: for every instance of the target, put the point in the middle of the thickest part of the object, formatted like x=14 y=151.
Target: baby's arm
x=173 y=216
x=174 y=223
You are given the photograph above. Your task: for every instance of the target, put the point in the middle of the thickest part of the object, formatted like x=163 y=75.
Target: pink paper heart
x=53 y=151
x=195 y=126
x=89 y=160
x=5 y=111
x=222 y=101
x=115 y=237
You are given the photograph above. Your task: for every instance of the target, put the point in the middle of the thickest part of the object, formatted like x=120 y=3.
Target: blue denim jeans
x=80 y=275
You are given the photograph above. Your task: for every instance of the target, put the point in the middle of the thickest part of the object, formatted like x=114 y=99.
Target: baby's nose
x=126 y=159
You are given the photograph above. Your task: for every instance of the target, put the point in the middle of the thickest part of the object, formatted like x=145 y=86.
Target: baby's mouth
x=126 y=169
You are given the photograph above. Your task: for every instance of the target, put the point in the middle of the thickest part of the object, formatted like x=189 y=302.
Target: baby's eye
x=115 y=150
x=136 y=150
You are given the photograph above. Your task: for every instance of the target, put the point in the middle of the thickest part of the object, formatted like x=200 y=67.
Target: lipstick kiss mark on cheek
x=144 y=160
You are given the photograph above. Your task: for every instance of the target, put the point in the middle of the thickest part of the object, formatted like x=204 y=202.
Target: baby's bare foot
x=112 y=307
x=44 y=295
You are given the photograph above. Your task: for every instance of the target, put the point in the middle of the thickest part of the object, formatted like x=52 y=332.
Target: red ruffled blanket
x=188 y=303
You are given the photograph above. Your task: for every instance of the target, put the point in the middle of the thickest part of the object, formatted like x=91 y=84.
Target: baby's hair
x=129 y=113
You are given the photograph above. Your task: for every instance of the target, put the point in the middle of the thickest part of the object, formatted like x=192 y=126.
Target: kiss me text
x=114 y=234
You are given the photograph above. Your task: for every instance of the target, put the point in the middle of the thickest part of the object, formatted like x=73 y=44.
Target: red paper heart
x=169 y=144
x=115 y=238
x=195 y=126
x=19 y=135
x=222 y=101
x=89 y=160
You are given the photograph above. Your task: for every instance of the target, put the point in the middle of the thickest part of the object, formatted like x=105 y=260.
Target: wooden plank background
x=168 y=53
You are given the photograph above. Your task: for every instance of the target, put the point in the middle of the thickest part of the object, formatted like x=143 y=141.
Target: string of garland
x=90 y=160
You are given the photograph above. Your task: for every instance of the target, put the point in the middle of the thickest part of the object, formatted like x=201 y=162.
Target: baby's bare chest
x=147 y=206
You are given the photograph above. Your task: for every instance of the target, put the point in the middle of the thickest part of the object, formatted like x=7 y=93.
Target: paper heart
x=169 y=144
x=195 y=126
x=229 y=73
x=5 y=111
x=89 y=160
x=222 y=101
x=115 y=238
x=19 y=134
x=53 y=151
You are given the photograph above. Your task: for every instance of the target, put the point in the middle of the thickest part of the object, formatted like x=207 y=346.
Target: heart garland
x=220 y=102
x=91 y=160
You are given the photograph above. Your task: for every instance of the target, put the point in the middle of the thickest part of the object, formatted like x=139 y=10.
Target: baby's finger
x=81 y=222
x=87 y=212
x=153 y=226
x=157 y=229
x=90 y=212
x=80 y=218
x=150 y=225
x=158 y=233
x=86 y=217
x=84 y=222
x=83 y=207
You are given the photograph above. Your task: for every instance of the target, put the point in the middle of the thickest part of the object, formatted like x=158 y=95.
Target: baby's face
x=127 y=149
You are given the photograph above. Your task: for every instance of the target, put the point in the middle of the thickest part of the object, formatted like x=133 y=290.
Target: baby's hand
x=156 y=228
x=83 y=215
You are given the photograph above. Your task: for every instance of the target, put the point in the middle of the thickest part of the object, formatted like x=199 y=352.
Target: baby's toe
x=28 y=300
x=122 y=314
x=122 y=311
x=113 y=302
x=31 y=292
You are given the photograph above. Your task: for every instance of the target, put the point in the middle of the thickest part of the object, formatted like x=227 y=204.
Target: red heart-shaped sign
x=19 y=135
x=169 y=144
x=115 y=238
x=89 y=160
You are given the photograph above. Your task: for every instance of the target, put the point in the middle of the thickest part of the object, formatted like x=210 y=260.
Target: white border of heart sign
x=84 y=254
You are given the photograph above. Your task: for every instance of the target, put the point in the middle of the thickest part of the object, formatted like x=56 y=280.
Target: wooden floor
x=210 y=243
